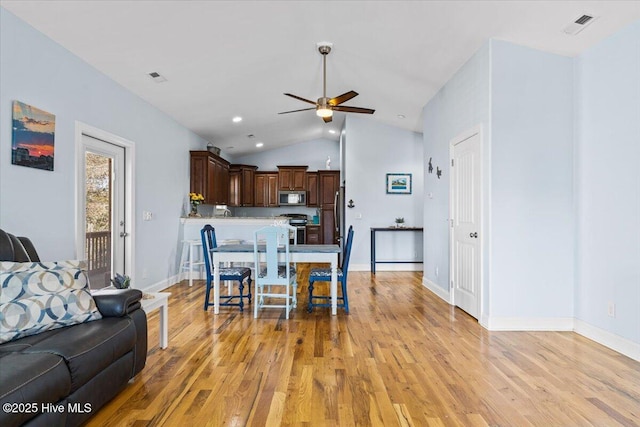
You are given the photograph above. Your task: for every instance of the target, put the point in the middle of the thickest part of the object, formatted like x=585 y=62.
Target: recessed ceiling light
x=401 y=116
x=332 y=131
x=251 y=135
x=259 y=144
x=237 y=119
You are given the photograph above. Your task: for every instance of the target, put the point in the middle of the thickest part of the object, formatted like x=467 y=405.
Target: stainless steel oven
x=299 y=221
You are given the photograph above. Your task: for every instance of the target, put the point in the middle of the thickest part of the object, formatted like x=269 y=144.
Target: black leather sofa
x=63 y=376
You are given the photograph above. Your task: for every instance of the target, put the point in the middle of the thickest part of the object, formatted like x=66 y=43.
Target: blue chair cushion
x=237 y=272
x=282 y=273
x=317 y=273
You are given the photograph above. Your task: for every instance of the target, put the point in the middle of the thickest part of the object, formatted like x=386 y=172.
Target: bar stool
x=188 y=260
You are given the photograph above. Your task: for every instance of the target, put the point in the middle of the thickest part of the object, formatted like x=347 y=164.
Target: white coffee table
x=160 y=300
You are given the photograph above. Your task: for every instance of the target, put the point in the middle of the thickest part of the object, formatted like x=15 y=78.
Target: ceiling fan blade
x=353 y=109
x=301 y=99
x=343 y=98
x=327 y=119
x=295 y=111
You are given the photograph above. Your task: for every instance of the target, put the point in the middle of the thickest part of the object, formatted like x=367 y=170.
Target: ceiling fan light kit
x=322 y=109
x=326 y=106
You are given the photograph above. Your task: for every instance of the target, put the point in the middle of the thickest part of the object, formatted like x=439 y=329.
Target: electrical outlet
x=146 y=216
x=358 y=216
x=145 y=273
x=437 y=271
x=611 y=309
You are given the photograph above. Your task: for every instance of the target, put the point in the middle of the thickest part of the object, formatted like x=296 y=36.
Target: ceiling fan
x=326 y=106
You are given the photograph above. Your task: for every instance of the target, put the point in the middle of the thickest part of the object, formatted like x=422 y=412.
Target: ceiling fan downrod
x=324 y=50
x=323 y=108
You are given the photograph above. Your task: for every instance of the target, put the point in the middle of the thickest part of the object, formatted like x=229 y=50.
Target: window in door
x=104 y=205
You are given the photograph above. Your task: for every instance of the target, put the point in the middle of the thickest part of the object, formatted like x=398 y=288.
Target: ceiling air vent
x=578 y=25
x=157 y=77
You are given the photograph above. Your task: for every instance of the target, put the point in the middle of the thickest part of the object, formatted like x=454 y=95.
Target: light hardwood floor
x=402 y=357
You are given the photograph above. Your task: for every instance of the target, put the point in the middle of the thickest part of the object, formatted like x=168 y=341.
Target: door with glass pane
x=104 y=218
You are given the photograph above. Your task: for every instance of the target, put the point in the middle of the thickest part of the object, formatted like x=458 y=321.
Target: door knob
x=123 y=234
x=474 y=235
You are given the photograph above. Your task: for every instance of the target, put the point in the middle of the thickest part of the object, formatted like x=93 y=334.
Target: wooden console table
x=374 y=230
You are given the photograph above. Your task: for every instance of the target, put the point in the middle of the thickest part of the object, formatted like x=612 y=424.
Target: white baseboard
x=528 y=323
x=615 y=342
x=484 y=321
x=387 y=267
x=442 y=293
x=163 y=284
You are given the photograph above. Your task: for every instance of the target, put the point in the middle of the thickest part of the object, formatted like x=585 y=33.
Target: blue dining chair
x=324 y=275
x=234 y=274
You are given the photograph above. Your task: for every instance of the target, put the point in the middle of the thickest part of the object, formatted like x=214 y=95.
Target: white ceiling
x=228 y=58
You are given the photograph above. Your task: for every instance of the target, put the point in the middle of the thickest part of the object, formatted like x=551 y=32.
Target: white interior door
x=102 y=191
x=466 y=185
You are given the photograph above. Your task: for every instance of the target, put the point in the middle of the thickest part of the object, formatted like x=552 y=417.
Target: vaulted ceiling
x=236 y=58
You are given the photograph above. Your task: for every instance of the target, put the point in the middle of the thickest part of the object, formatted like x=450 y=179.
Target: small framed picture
x=398 y=183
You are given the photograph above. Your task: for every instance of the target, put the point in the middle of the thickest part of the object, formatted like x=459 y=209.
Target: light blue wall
x=522 y=100
x=463 y=103
x=531 y=183
x=40 y=204
x=311 y=153
x=372 y=150
x=607 y=84
x=564 y=212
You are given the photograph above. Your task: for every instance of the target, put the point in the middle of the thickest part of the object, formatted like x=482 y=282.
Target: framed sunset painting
x=33 y=136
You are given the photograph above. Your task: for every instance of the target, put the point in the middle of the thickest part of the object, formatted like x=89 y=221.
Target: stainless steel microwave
x=292 y=198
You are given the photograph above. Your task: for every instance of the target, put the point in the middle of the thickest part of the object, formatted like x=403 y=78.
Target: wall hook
x=350 y=204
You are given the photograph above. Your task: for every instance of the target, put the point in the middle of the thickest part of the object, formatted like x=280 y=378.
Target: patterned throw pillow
x=40 y=296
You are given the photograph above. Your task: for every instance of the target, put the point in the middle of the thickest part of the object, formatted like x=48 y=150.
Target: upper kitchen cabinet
x=241 y=185
x=312 y=188
x=292 y=177
x=266 y=189
x=210 y=177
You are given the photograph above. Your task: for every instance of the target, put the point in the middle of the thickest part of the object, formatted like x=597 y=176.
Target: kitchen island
x=227 y=228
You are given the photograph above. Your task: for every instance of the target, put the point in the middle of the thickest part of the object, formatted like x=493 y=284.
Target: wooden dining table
x=297 y=253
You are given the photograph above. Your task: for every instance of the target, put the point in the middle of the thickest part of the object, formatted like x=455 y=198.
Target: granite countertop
x=232 y=219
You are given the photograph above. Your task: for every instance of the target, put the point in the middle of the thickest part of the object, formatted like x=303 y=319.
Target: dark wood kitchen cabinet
x=313 y=235
x=241 y=185
x=266 y=189
x=312 y=189
x=210 y=177
x=328 y=188
x=292 y=177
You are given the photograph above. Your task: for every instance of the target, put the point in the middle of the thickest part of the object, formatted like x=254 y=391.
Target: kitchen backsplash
x=262 y=212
